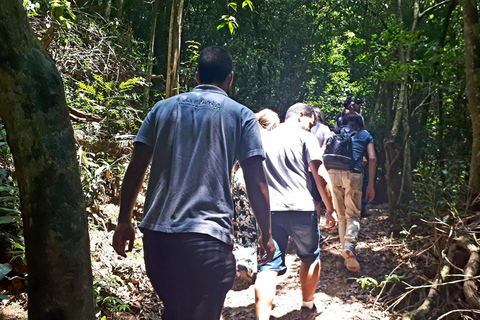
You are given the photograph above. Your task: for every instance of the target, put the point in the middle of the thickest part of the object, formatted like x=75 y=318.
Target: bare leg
x=309 y=276
x=265 y=288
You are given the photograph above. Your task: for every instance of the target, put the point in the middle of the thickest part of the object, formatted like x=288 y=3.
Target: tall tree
x=40 y=135
x=151 y=55
x=174 y=43
x=472 y=68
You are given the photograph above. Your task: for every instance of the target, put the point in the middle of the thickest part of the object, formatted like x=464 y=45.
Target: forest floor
x=339 y=290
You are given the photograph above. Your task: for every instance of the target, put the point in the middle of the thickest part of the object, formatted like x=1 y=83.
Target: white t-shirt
x=289 y=151
x=320 y=131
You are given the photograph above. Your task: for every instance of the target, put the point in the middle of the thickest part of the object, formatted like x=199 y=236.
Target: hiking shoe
x=310 y=314
x=348 y=254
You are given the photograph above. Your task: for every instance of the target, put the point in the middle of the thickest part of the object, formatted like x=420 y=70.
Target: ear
x=229 y=79
x=300 y=115
x=197 y=75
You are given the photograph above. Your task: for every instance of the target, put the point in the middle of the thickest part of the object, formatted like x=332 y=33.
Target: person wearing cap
x=347 y=186
x=353 y=104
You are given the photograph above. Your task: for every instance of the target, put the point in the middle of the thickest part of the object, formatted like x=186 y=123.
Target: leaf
x=9 y=219
x=4 y=270
x=10 y=210
x=19 y=246
x=233 y=5
x=247 y=3
x=4 y=297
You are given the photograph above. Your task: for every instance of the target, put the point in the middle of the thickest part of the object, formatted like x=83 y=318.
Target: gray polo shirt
x=196 y=138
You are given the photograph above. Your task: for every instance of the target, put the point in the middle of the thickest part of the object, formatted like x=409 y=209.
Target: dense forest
x=77 y=79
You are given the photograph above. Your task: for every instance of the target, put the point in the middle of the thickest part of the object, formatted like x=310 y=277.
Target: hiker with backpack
x=352 y=104
x=343 y=159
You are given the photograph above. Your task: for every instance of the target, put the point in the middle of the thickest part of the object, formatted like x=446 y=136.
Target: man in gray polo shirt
x=192 y=142
x=291 y=150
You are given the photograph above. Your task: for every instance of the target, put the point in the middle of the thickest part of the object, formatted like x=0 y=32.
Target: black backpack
x=339 y=151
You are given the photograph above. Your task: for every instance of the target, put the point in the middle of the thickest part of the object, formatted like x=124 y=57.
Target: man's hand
x=123 y=232
x=330 y=221
x=370 y=193
x=267 y=249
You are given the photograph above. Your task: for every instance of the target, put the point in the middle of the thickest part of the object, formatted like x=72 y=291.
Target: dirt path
x=343 y=297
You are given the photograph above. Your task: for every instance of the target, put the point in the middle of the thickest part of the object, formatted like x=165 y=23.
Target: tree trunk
x=40 y=135
x=401 y=111
x=472 y=68
x=148 y=78
x=119 y=9
x=108 y=9
x=174 y=42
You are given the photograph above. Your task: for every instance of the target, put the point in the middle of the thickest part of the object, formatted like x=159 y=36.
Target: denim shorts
x=302 y=226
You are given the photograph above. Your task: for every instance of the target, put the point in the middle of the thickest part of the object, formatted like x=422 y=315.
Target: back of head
x=267 y=119
x=300 y=107
x=350 y=102
x=353 y=120
x=320 y=118
x=214 y=65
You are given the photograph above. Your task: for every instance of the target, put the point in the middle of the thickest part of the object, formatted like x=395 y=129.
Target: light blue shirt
x=196 y=138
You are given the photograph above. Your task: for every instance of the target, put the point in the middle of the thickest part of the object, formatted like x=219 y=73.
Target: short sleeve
x=250 y=144
x=312 y=148
x=146 y=134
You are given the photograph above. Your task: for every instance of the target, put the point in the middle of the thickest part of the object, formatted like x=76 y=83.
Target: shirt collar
x=210 y=88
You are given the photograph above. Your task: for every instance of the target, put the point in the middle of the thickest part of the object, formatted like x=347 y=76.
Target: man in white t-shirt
x=291 y=150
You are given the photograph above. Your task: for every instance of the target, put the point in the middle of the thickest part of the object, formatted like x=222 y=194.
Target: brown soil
x=339 y=291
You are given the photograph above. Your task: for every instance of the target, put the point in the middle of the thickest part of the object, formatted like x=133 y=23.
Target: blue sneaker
x=348 y=254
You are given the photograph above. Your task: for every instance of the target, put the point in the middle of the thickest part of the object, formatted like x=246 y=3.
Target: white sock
x=308 y=304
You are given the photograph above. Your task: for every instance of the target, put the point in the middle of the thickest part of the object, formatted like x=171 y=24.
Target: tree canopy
x=414 y=63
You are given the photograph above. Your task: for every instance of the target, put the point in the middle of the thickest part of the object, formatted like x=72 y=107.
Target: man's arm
x=132 y=183
x=257 y=189
x=325 y=192
x=372 y=167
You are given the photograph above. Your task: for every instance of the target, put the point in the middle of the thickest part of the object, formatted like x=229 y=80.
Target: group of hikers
x=192 y=141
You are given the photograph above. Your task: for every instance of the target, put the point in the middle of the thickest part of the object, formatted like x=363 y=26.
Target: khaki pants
x=347 y=198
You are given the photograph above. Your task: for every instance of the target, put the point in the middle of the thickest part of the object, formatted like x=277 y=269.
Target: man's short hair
x=214 y=65
x=349 y=102
x=300 y=107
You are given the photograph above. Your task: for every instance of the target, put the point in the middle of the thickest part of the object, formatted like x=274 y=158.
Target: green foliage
x=231 y=21
x=5 y=268
x=366 y=282
x=188 y=67
x=10 y=215
x=106 y=302
x=390 y=279
x=31 y=7
x=407 y=233
x=371 y=283
x=112 y=101
x=98 y=173
x=59 y=10
x=438 y=190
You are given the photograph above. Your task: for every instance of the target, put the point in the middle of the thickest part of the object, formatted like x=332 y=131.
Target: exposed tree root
x=469 y=288
x=434 y=290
